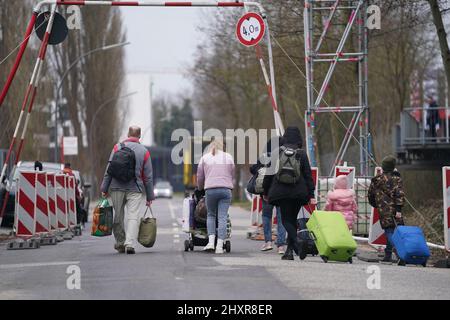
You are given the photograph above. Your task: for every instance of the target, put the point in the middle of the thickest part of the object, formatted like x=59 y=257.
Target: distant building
x=138 y=106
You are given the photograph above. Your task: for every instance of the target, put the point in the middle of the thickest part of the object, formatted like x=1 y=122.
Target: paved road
x=167 y=272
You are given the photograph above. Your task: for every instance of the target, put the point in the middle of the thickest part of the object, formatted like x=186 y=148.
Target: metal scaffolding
x=318 y=34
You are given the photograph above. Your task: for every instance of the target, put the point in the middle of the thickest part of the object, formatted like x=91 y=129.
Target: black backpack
x=289 y=166
x=123 y=165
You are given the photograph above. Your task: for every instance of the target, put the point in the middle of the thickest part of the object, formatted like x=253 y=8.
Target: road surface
x=167 y=272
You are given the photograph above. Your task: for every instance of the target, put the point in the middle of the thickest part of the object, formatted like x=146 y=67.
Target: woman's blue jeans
x=218 y=201
x=267 y=213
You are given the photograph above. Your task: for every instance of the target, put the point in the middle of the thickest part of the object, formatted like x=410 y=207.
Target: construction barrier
x=256 y=219
x=42 y=219
x=45 y=205
x=256 y=212
x=51 y=195
x=61 y=201
x=377 y=237
x=71 y=201
x=24 y=221
x=446 y=193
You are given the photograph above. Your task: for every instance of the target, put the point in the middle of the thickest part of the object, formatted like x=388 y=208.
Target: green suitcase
x=333 y=239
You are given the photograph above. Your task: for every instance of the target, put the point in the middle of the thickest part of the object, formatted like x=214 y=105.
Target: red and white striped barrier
x=147 y=3
x=377 y=237
x=19 y=57
x=25 y=199
x=51 y=194
x=29 y=99
x=256 y=212
x=42 y=219
x=61 y=201
x=70 y=198
x=446 y=192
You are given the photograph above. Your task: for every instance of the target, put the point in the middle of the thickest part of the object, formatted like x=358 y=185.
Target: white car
x=163 y=189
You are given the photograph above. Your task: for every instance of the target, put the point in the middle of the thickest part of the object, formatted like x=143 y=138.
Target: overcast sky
x=163 y=40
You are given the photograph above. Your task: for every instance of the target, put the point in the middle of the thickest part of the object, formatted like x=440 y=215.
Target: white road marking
x=176 y=230
x=168 y=231
x=176 y=240
x=36 y=264
x=175 y=224
x=176 y=235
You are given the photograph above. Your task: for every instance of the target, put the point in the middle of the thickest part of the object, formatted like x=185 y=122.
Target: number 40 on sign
x=250 y=29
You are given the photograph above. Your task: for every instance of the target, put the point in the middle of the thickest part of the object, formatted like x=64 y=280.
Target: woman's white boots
x=219 y=247
x=210 y=245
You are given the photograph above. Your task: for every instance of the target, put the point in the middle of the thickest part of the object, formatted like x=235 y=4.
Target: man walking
x=129 y=175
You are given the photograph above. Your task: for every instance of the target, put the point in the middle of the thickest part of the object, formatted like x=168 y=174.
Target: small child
x=343 y=199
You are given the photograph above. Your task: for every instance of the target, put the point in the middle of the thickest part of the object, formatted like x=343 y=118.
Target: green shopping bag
x=102 y=221
x=147 y=230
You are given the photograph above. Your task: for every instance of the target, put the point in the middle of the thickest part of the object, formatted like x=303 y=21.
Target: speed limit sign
x=250 y=29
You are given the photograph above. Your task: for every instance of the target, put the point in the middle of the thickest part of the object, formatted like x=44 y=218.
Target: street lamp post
x=94 y=117
x=64 y=76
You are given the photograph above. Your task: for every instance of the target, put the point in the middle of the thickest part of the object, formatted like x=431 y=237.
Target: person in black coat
x=291 y=197
x=433 y=117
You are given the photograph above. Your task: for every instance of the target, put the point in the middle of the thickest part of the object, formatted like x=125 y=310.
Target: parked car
x=163 y=189
x=11 y=186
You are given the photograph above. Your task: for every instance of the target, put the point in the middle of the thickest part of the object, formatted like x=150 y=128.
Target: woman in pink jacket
x=215 y=175
x=343 y=199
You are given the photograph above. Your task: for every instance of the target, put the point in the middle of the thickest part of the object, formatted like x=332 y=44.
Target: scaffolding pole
x=316 y=38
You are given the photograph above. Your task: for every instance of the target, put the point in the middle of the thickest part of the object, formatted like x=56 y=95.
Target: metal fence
x=361 y=186
x=419 y=126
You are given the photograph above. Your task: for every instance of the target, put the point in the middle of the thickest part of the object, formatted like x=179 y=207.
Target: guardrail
x=425 y=126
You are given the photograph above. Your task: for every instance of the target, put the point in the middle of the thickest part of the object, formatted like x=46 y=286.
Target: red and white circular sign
x=250 y=29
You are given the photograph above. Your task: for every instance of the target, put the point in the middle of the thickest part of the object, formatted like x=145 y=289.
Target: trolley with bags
x=194 y=223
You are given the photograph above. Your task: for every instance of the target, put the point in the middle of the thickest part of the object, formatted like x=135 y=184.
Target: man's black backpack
x=123 y=164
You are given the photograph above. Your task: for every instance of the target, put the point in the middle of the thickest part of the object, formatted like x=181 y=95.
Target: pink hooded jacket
x=343 y=199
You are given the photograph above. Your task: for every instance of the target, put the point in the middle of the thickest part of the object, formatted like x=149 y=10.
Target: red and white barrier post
x=61 y=202
x=24 y=223
x=51 y=192
x=377 y=238
x=30 y=96
x=42 y=219
x=256 y=215
x=70 y=198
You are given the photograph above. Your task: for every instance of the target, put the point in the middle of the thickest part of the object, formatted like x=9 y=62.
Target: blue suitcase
x=411 y=245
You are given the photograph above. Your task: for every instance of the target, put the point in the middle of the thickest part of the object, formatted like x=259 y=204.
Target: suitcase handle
x=313 y=236
x=151 y=212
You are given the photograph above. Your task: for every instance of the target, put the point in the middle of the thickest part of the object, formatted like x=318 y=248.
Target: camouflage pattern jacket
x=386 y=194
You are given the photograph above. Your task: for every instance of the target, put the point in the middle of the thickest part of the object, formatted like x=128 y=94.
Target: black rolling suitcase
x=304 y=238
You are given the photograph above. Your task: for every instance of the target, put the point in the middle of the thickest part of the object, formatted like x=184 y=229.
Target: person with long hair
x=215 y=175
